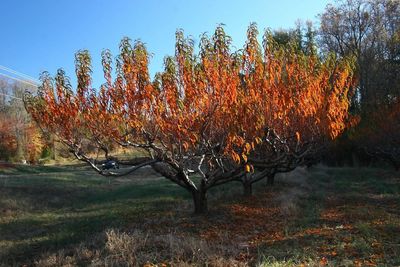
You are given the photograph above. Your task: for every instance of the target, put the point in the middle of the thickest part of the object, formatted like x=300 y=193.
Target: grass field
x=69 y=216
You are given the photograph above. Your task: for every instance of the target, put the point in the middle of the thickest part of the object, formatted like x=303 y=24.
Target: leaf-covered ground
x=64 y=216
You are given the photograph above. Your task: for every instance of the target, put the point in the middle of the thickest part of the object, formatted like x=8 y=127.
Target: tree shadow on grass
x=31 y=237
x=60 y=215
x=31 y=241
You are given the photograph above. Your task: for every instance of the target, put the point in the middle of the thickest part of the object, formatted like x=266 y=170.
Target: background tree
x=302 y=37
x=380 y=138
x=8 y=144
x=19 y=136
x=369 y=30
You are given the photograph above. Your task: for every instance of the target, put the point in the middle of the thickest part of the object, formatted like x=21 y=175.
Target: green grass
x=344 y=216
x=27 y=169
x=49 y=208
x=350 y=216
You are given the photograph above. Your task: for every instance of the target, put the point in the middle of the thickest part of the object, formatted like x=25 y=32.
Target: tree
x=369 y=30
x=19 y=138
x=304 y=100
x=215 y=117
x=8 y=144
x=302 y=37
x=380 y=137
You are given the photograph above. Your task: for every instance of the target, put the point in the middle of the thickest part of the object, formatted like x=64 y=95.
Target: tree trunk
x=20 y=150
x=200 y=202
x=54 y=148
x=271 y=180
x=247 y=189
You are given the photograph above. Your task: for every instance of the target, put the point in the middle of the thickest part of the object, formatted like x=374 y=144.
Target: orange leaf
x=298 y=136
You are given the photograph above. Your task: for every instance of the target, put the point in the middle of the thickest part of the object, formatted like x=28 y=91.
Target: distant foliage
x=20 y=139
x=370 y=31
x=8 y=144
x=380 y=137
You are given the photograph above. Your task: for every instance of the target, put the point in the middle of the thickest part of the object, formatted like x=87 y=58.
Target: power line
x=20 y=80
x=12 y=96
x=18 y=73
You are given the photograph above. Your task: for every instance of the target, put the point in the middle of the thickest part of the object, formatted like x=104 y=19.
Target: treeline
x=20 y=139
x=369 y=31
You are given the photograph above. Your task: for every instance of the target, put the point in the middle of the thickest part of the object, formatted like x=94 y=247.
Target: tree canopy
x=221 y=115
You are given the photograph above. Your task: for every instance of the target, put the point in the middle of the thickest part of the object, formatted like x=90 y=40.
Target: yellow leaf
x=298 y=136
x=185 y=146
x=235 y=157
x=248 y=148
x=247 y=168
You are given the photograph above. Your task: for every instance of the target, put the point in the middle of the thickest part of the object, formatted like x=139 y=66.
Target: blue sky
x=39 y=35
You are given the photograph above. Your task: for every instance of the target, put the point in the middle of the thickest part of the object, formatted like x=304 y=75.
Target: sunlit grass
x=334 y=215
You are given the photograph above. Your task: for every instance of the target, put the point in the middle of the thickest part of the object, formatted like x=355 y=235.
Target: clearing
x=68 y=216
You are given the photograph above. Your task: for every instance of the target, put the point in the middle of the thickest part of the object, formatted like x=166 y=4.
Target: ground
x=68 y=216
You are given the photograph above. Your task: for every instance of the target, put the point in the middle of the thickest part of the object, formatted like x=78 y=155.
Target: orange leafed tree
x=297 y=99
x=8 y=145
x=220 y=115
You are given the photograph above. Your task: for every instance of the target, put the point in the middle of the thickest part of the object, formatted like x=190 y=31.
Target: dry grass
x=296 y=190
x=139 y=249
x=322 y=217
